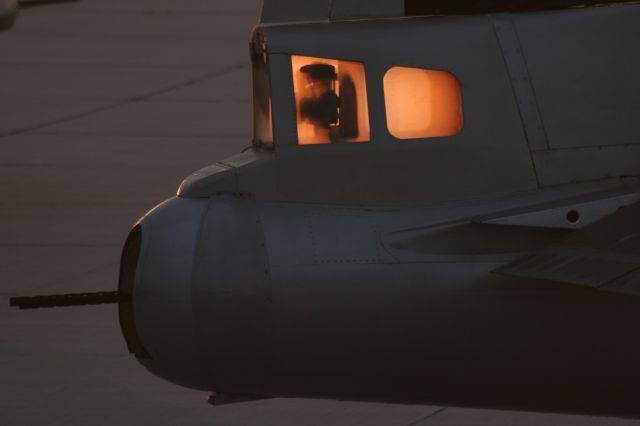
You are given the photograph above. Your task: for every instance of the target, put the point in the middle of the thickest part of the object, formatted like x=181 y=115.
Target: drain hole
x=573 y=216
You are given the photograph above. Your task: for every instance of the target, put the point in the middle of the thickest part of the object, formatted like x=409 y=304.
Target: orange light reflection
x=353 y=110
x=422 y=103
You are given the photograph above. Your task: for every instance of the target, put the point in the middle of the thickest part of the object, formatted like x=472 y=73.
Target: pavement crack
x=133 y=99
x=427 y=416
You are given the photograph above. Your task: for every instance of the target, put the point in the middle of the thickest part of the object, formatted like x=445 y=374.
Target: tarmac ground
x=105 y=106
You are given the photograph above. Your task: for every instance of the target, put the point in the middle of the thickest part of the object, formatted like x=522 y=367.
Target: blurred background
x=105 y=106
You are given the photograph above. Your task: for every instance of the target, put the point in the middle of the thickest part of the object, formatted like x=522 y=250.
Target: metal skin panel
x=436 y=329
x=516 y=99
x=258 y=177
x=359 y=9
x=347 y=174
x=521 y=82
x=310 y=234
x=283 y=101
x=163 y=294
x=232 y=305
x=560 y=166
x=489 y=156
x=205 y=182
x=584 y=67
x=250 y=171
x=423 y=233
x=446 y=334
x=321 y=10
x=294 y=10
x=387 y=304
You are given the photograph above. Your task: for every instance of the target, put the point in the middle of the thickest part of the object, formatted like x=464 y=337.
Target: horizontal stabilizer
x=604 y=255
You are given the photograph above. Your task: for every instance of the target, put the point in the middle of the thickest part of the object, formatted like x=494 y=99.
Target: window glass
x=422 y=103
x=262 y=115
x=331 y=100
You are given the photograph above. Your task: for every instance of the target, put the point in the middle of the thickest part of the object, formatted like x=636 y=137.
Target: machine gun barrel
x=61 y=300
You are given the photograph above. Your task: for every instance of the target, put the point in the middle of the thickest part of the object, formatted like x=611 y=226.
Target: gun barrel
x=61 y=300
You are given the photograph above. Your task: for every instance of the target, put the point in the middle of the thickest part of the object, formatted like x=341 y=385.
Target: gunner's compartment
x=331 y=100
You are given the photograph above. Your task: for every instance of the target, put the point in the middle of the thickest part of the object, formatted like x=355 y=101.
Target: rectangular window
x=422 y=103
x=331 y=100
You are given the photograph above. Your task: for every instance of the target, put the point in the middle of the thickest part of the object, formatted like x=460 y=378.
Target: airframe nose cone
x=158 y=271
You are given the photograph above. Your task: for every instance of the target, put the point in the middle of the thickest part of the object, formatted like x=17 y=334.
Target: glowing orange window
x=422 y=103
x=331 y=100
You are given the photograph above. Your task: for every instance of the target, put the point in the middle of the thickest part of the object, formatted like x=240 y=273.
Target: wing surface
x=604 y=255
